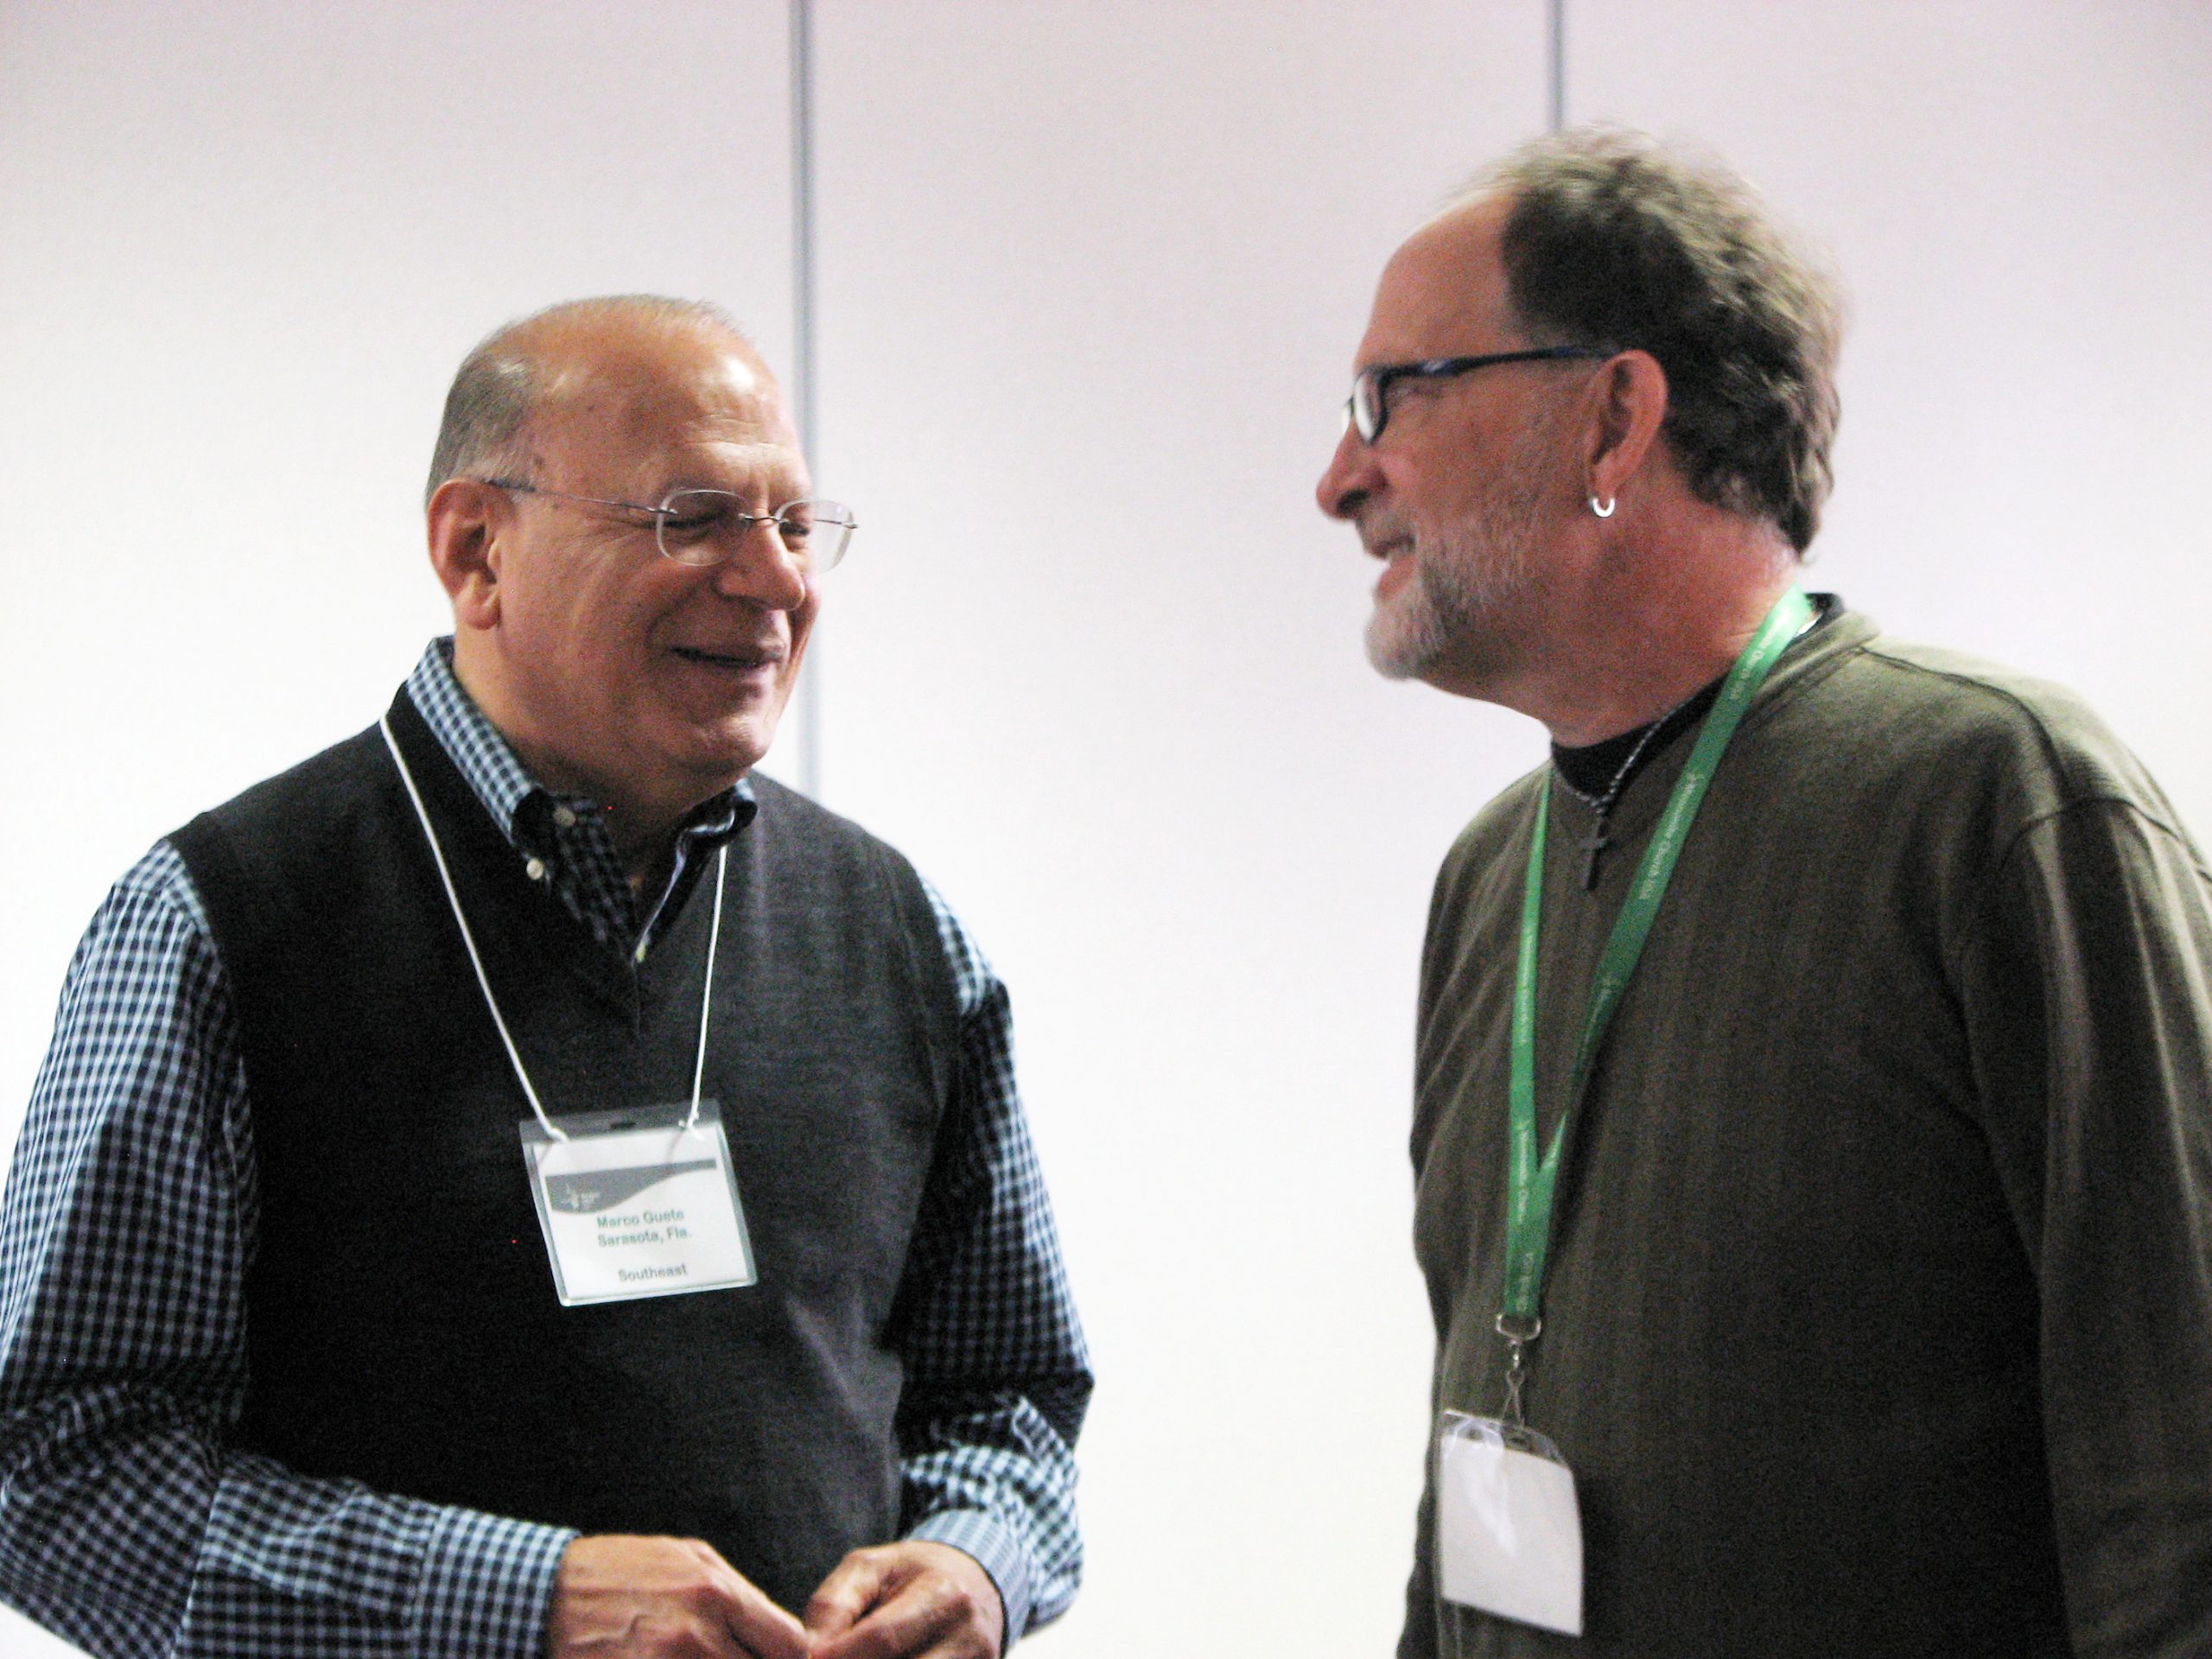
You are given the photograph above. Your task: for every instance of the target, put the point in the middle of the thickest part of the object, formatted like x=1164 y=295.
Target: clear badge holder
x=638 y=1203
x=1509 y=1531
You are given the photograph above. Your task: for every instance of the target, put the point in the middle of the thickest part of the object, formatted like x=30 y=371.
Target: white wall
x=1092 y=276
x=1092 y=286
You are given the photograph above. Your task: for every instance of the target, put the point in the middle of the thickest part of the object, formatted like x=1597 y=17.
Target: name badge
x=639 y=1203
x=1508 y=1533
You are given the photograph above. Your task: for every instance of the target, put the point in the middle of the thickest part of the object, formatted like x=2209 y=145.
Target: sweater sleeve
x=128 y=1522
x=2086 y=994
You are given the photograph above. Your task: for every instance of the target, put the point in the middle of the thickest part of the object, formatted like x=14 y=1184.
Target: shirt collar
x=498 y=776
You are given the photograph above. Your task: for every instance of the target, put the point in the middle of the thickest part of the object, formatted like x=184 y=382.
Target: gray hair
x=1613 y=240
x=499 y=382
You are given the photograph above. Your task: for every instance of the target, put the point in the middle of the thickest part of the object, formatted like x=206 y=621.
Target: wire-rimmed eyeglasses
x=1367 y=411
x=705 y=527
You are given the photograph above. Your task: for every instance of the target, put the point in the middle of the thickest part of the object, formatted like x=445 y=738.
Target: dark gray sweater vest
x=402 y=1323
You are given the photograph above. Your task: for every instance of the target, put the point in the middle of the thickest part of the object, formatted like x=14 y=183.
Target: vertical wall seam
x=800 y=49
x=1558 y=64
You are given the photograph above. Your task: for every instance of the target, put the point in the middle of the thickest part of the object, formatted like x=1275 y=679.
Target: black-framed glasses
x=1367 y=411
x=706 y=527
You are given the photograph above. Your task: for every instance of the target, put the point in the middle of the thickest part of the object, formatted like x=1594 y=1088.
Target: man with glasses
x=1812 y=1132
x=521 y=1183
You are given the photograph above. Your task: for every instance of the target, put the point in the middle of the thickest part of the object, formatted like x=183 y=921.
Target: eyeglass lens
x=708 y=526
x=1367 y=407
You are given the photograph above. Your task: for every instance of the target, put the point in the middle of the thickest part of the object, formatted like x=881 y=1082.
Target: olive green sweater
x=1879 y=1312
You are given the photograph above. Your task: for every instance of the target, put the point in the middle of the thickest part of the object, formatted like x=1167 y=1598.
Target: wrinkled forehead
x=1444 y=292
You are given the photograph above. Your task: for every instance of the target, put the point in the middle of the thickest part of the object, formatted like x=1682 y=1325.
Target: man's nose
x=1349 y=478
x=761 y=567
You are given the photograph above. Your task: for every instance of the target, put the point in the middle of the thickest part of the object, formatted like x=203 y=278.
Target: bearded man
x=1812 y=1130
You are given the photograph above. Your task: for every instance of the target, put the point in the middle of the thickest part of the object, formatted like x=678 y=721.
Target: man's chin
x=712 y=757
x=1400 y=646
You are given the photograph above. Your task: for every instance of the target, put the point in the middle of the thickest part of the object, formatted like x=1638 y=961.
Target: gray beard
x=1462 y=579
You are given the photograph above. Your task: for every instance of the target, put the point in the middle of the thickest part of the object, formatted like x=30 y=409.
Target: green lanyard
x=1529 y=1184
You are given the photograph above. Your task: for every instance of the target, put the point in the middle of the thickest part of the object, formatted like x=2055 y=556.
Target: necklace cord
x=1602 y=804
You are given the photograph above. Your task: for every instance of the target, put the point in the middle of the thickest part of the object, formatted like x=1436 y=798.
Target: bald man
x=520 y=1183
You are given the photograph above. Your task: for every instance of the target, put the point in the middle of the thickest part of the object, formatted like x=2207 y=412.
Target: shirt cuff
x=996 y=1548
x=488 y=1587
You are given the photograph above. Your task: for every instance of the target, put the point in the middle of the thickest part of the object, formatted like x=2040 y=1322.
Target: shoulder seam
x=2088 y=803
x=2052 y=754
x=168 y=883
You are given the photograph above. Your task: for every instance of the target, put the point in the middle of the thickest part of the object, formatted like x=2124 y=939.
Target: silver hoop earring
x=1606 y=511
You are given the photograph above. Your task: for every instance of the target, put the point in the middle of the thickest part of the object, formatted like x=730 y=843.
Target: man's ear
x=1630 y=396
x=467 y=519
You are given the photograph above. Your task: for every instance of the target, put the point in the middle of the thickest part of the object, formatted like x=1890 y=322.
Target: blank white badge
x=639 y=1203
x=1508 y=1533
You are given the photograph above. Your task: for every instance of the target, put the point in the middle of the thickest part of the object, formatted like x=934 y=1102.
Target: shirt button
x=564 y=818
x=535 y=870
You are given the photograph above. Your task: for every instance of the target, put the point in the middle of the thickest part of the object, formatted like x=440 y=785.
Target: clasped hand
x=621 y=1597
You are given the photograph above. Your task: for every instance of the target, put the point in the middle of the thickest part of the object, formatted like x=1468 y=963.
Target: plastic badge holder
x=639 y=1203
x=1509 y=1531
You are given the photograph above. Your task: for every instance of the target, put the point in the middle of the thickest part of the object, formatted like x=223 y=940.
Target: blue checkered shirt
x=129 y=1525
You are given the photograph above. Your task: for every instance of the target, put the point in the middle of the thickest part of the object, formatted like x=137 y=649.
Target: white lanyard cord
x=707 y=990
x=514 y=1057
